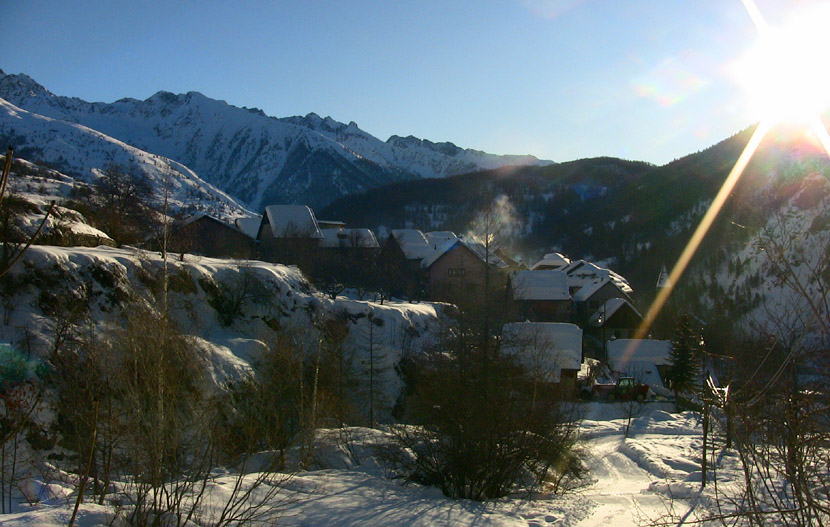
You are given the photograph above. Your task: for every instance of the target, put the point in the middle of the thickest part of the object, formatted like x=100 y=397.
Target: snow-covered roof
x=481 y=251
x=551 y=261
x=588 y=288
x=588 y=278
x=575 y=265
x=581 y=273
x=620 y=282
x=362 y=238
x=291 y=221
x=544 y=346
x=331 y=224
x=443 y=249
x=413 y=243
x=198 y=216
x=438 y=238
x=623 y=353
x=193 y=218
x=540 y=285
x=249 y=224
x=476 y=248
x=607 y=310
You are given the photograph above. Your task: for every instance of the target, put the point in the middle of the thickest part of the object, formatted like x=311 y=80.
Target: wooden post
x=703 y=461
x=727 y=408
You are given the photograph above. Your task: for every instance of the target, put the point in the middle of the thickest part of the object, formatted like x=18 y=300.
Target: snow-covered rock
x=277 y=298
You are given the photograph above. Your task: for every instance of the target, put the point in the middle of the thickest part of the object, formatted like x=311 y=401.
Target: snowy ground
x=630 y=483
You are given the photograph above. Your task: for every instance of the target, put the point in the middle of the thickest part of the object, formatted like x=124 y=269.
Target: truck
x=625 y=389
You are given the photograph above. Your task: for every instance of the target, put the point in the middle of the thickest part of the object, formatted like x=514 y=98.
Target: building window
x=456 y=271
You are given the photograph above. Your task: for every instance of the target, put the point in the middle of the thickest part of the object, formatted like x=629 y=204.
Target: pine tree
x=685 y=356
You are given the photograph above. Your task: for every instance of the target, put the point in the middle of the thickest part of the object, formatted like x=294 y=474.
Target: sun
x=786 y=74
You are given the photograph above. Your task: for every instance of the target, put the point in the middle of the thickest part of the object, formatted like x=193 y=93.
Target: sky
x=650 y=80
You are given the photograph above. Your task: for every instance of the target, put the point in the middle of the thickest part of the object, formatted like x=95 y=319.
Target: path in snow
x=622 y=489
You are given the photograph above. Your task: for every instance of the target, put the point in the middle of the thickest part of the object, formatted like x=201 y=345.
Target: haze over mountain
x=256 y=158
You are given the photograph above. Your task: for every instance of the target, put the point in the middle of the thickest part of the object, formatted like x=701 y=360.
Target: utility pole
x=602 y=321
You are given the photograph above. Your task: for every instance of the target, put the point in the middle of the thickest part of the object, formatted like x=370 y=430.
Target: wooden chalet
x=208 y=236
x=458 y=270
x=288 y=234
x=400 y=262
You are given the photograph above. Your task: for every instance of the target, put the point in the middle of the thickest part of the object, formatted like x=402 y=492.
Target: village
x=423 y=264
x=576 y=317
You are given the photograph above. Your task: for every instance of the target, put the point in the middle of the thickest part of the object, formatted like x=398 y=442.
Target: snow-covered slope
x=258 y=159
x=83 y=152
x=38 y=187
x=114 y=279
x=777 y=276
x=650 y=478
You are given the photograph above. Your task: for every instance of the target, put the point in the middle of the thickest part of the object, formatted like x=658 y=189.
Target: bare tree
x=776 y=409
x=124 y=199
x=491 y=228
x=634 y=406
x=14 y=245
x=20 y=395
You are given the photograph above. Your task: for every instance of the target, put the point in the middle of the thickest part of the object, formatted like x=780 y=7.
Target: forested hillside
x=634 y=216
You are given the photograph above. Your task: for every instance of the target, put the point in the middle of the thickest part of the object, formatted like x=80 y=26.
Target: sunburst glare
x=785 y=73
x=786 y=81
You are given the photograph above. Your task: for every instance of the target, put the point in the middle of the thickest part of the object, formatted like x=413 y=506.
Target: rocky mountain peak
x=256 y=158
x=21 y=85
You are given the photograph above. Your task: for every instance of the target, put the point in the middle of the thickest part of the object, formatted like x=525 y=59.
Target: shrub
x=231 y=297
x=484 y=430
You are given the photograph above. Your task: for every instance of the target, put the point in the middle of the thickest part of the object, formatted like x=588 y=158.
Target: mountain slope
x=83 y=152
x=634 y=217
x=258 y=159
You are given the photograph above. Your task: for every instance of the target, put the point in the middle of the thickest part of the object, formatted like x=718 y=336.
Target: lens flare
x=787 y=80
x=702 y=229
x=785 y=74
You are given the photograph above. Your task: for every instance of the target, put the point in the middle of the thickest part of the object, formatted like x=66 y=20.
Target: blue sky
x=560 y=79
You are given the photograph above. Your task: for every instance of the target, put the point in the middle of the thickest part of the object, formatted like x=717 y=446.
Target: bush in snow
x=486 y=428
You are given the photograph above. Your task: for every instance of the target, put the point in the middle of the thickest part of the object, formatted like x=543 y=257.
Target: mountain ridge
x=634 y=217
x=84 y=153
x=259 y=159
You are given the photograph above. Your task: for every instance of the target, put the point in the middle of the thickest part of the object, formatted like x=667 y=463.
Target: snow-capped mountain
x=258 y=159
x=83 y=152
x=418 y=156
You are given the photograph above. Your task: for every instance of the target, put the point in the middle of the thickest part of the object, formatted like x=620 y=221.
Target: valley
x=226 y=317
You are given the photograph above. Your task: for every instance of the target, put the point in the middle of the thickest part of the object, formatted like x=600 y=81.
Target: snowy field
x=631 y=482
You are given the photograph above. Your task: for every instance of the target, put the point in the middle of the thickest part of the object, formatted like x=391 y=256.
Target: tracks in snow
x=621 y=492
